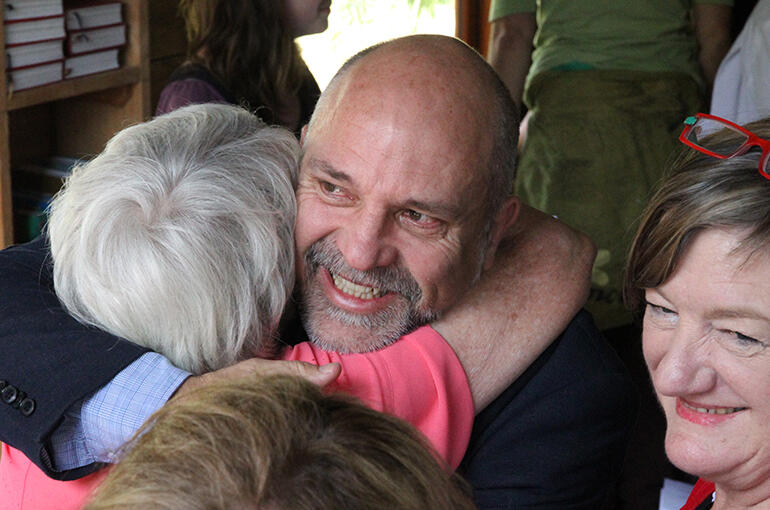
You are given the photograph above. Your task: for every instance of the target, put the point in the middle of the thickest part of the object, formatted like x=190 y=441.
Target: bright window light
x=357 y=24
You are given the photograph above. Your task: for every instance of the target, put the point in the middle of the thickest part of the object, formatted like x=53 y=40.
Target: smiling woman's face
x=706 y=338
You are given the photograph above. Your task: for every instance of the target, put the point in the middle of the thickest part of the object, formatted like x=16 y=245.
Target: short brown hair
x=278 y=443
x=698 y=193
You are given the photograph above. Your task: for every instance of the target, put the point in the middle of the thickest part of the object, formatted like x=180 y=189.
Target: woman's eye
x=740 y=344
x=660 y=309
x=660 y=315
x=745 y=339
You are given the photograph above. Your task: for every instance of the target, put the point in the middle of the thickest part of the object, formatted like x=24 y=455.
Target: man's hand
x=258 y=367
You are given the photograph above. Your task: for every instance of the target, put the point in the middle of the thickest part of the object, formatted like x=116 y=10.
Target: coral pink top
x=418 y=379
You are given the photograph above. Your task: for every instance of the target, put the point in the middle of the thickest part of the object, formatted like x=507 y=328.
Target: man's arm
x=539 y=281
x=510 y=50
x=712 y=30
x=32 y=311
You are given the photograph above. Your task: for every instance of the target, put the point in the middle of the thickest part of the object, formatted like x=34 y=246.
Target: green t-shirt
x=640 y=35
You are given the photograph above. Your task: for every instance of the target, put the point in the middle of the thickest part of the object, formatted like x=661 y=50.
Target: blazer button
x=27 y=406
x=9 y=394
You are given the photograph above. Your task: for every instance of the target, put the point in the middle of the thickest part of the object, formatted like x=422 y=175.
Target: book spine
x=36 y=64
x=73 y=34
x=25 y=20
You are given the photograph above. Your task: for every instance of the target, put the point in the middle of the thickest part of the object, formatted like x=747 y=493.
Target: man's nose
x=685 y=368
x=365 y=242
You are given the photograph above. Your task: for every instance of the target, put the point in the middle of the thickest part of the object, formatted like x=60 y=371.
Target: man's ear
x=501 y=226
x=302 y=134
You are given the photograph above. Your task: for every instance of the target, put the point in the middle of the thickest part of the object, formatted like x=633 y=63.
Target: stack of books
x=95 y=34
x=34 y=185
x=34 y=30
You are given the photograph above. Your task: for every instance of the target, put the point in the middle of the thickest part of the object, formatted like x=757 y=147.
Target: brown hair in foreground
x=700 y=192
x=278 y=443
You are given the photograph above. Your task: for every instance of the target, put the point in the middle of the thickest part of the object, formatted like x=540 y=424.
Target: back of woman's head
x=246 y=44
x=700 y=192
x=179 y=235
x=278 y=443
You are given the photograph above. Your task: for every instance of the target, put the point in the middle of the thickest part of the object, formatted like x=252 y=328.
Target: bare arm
x=712 y=30
x=540 y=279
x=510 y=50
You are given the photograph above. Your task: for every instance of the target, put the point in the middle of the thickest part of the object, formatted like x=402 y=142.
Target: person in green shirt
x=607 y=85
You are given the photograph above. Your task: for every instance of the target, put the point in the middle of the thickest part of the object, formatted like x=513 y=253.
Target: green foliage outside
x=356 y=24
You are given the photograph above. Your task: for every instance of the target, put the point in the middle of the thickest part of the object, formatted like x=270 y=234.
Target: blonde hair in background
x=278 y=443
x=179 y=235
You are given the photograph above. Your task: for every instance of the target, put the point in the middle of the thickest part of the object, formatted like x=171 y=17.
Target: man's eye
x=417 y=217
x=420 y=219
x=421 y=223
x=330 y=188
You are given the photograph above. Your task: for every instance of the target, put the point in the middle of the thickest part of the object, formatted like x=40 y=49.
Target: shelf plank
x=74 y=87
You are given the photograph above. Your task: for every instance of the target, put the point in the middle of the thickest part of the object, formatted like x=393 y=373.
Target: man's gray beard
x=374 y=330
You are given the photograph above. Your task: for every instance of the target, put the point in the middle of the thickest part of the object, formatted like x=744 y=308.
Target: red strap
x=702 y=490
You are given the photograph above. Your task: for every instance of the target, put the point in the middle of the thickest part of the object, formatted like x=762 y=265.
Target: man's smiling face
x=392 y=222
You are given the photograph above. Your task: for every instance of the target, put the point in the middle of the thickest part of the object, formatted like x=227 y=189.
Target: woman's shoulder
x=191 y=84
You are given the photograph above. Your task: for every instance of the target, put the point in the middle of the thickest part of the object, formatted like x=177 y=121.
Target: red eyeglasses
x=698 y=127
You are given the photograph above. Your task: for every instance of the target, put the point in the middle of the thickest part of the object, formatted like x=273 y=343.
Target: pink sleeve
x=24 y=486
x=418 y=378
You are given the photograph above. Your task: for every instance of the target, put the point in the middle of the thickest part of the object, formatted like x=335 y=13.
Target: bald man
x=404 y=219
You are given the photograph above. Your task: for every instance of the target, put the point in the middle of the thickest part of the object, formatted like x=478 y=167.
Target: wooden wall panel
x=472 y=25
x=168 y=44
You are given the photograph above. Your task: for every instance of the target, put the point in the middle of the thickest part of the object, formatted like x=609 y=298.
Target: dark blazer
x=554 y=439
x=46 y=356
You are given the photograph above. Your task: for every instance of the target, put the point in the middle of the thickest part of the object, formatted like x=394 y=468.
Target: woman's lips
x=704 y=414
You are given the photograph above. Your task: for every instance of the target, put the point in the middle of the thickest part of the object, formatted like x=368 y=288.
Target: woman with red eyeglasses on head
x=699 y=269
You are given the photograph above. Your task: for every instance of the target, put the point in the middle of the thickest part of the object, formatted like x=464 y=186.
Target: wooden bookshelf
x=74 y=117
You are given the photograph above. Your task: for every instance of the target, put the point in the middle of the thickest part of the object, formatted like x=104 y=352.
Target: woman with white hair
x=178 y=237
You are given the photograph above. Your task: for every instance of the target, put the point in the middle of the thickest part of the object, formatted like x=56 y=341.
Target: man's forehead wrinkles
x=428 y=200
x=321 y=165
